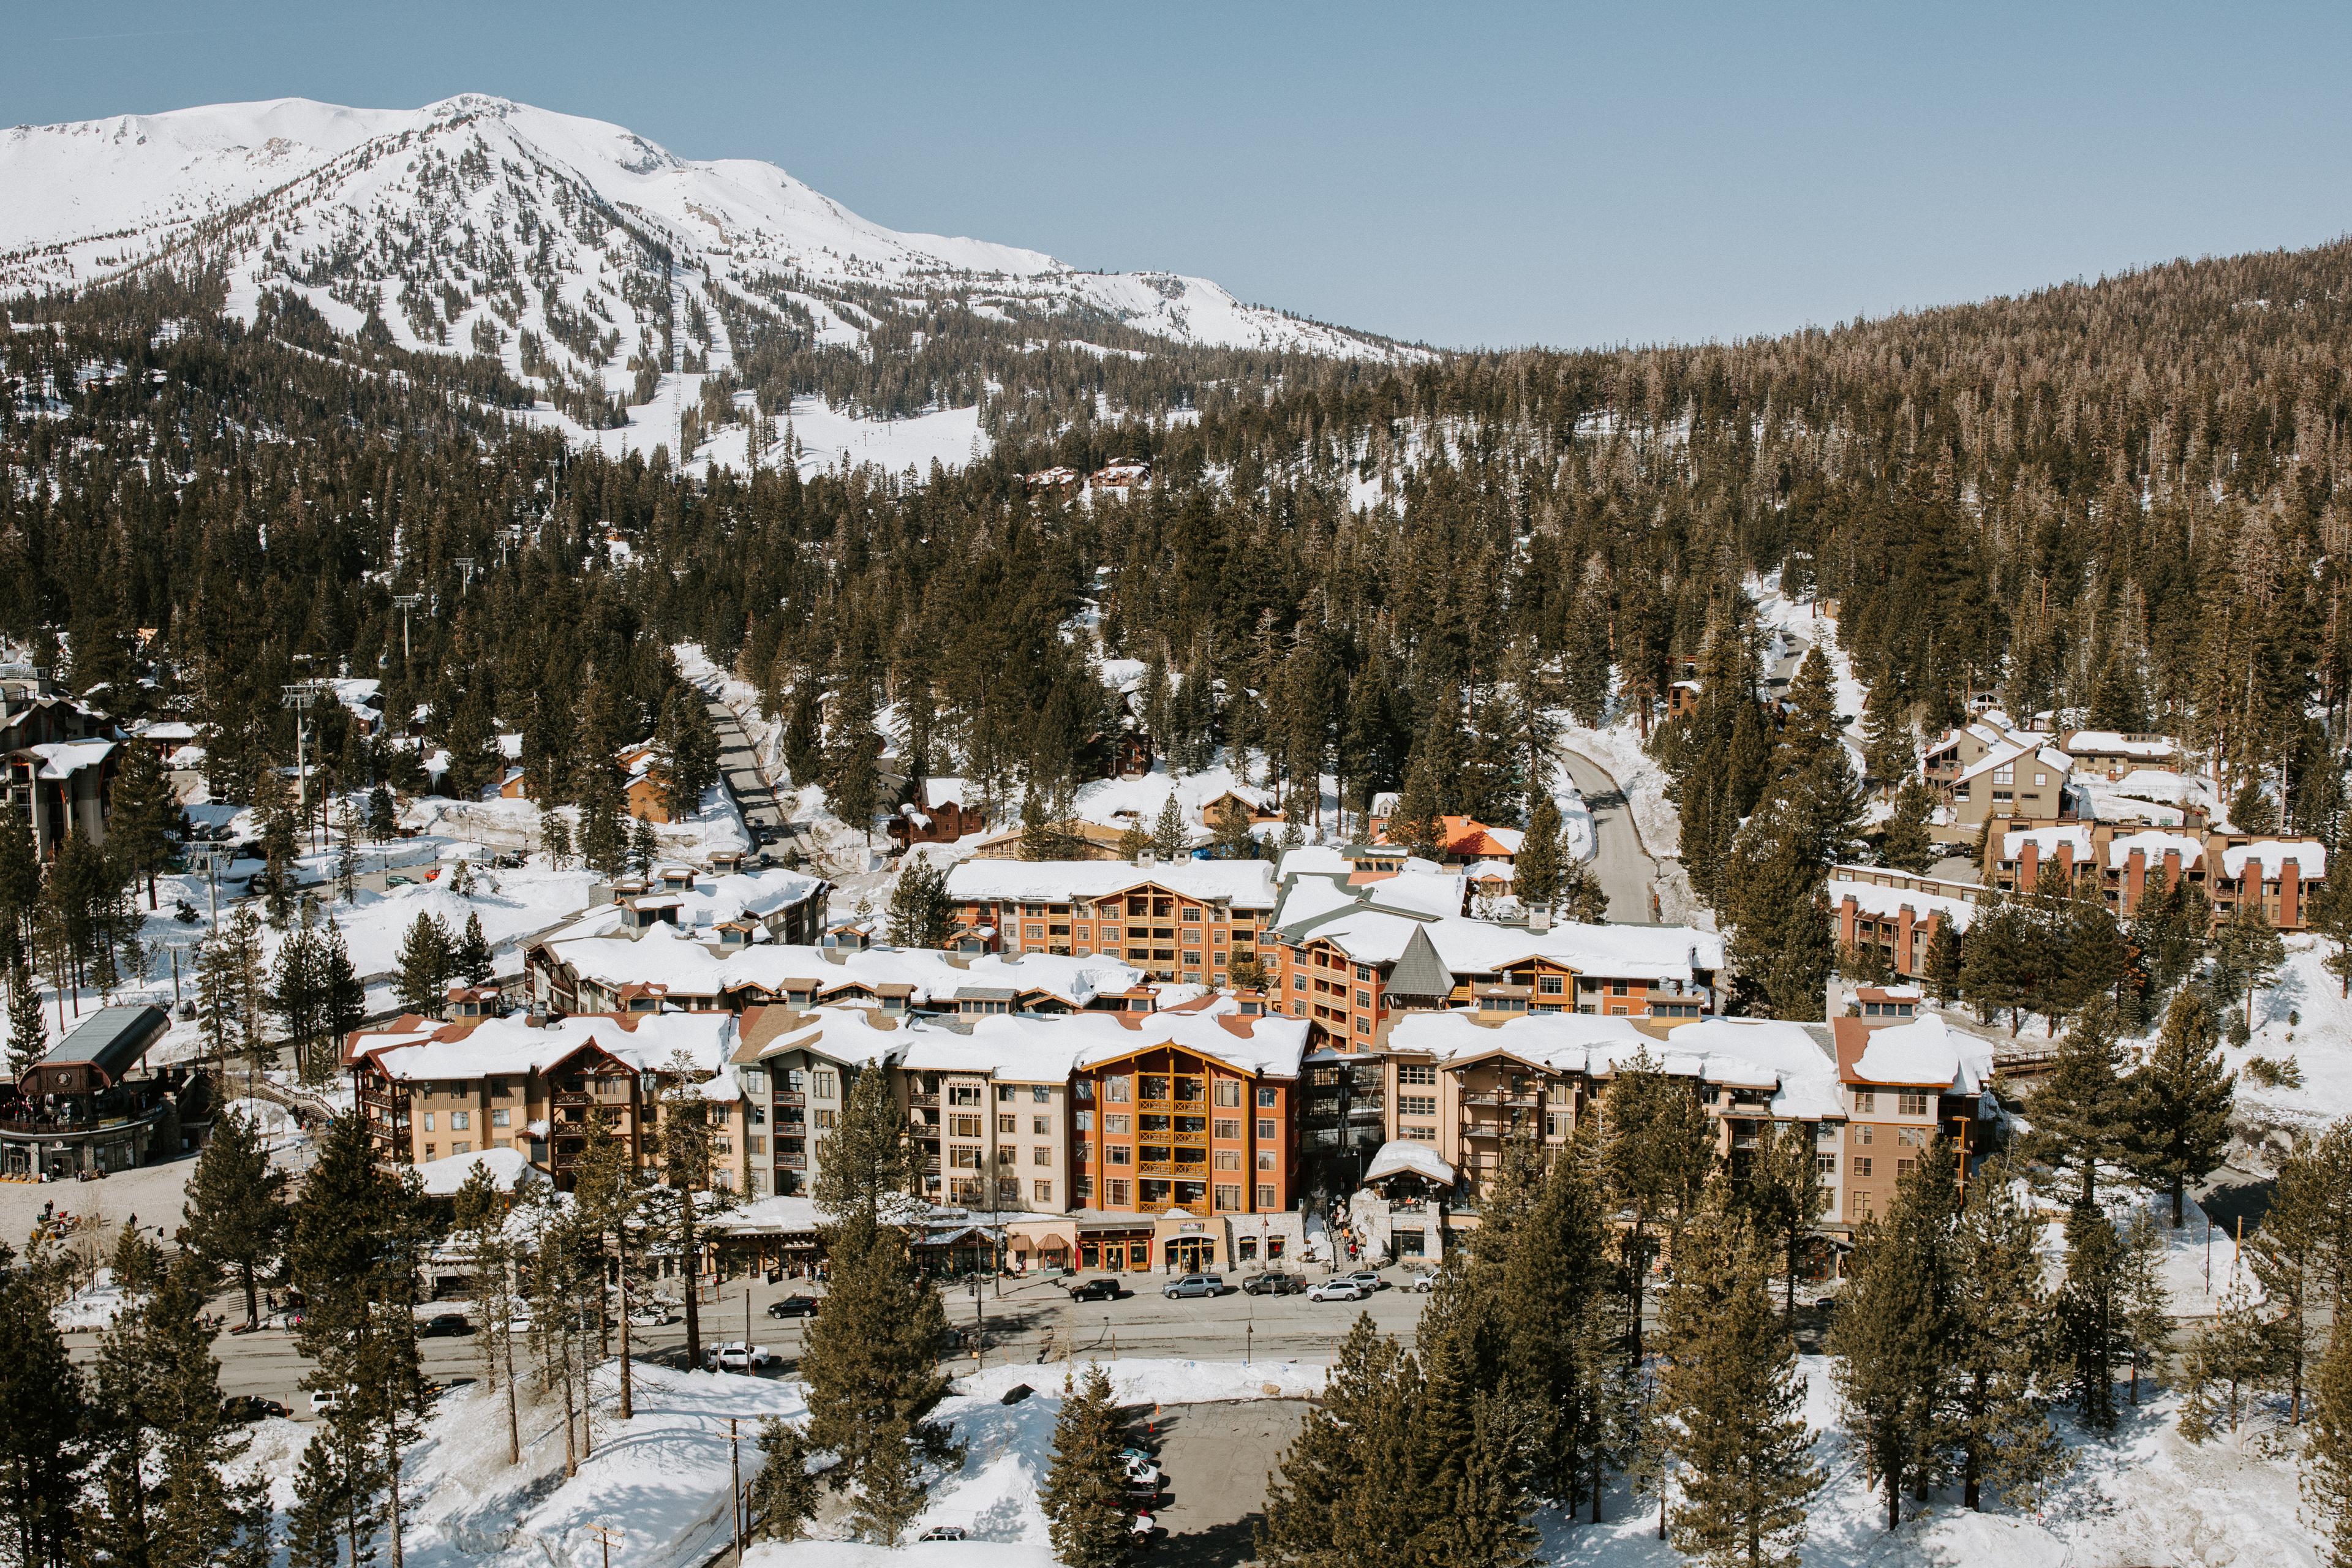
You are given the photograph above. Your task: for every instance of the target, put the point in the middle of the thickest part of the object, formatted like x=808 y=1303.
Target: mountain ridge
x=591 y=261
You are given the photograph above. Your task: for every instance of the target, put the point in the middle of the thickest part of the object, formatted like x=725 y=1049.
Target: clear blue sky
x=1493 y=175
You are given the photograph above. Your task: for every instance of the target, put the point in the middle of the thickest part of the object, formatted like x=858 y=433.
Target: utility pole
x=604 y=1533
x=406 y=602
x=465 y=566
x=735 y=1462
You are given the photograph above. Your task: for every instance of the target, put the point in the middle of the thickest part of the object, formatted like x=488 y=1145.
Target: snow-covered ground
x=2301 y=1014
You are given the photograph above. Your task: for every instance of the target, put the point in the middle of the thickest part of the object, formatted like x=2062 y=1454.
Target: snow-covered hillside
x=484 y=210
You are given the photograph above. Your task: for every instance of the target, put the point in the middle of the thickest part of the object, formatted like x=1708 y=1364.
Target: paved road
x=740 y=766
x=1624 y=868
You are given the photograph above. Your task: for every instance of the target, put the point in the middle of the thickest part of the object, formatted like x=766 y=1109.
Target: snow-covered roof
x=712 y=900
x=1404 y=1157
x=2116 y=743
x=2009 y=750
x=2309 y=855
x=512 y=1045
x=1373 y=921
x=2156 y=844
x=1889 y=903
x=60 y=760
x=1752 y=1053
x=1245 y=884
x=443 y=1177
x=2046 y=841
x=164 y=732
x=1925 y=1052
x=670 y=957
x=935 y=792
x=1033 y=1048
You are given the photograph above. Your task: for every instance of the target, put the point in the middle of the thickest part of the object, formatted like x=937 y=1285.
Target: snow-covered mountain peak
x=483 y=198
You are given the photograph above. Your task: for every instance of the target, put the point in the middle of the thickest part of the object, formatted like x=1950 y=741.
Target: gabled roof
x=112 y=1039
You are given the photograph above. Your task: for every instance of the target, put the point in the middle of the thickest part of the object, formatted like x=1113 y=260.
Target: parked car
x=400 y=881
x=325 y=1401
x=1372 y=1279
x=1103 y=1289
x=651 y=1317
x=793 y=1307
x=1273 y=1282
x=1340 y=1288
x=942 y=1532
x=445 y=1325
x=1422 y=1283
x=245 y=1408
x=1194 y=1285
x=737 y=1356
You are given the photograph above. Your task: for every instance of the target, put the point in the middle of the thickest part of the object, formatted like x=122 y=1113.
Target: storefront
x=1189 y=1245
x=1121 y=1247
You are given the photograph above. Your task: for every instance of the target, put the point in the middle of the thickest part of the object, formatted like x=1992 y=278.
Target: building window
x=1228 y=1196
x=1118 y=1122
x=1265 y=1196
x=498 y=1118
x=1228 y=1091
x=1825 y=1163
x=1863 y=1134
x=963 y=1157
x=1422 y=1134
x=1363 y=1026
x=1007 y=1124
x=1903 y=1168
x=1265 y=1159
x=461 y=1146
x=963 y=1126
x=1266 y=1129
x=1114 y=1090
x=1041 y=1126
x=1229 y=1127
x=823 y=1119
x=1906 y=1103
x=1228 y=1160
x=1416 y=1105
x=1042 y=1155
x=1115 y=1192
x=1041 y=1192
x=1266 y=1099
x=1861 y=1164
x=429 y=1121
x=823 y=1087
x=1865 y=1101
x=1417 y=1072
x=1121 y=1154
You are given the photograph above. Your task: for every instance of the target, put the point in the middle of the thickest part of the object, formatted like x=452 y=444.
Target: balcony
x=791 y=1162
x=790 y=1097
x=1500 y=1098
x=932 y=1099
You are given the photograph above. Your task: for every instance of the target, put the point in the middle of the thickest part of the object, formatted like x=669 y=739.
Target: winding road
x=1625 y=867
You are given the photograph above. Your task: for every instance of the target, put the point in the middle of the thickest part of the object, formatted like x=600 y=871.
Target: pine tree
x=2231 y=1358
x=1581 y=897
x=470 y=958
x=1784 y=1190
x=43 y=1427
x=1535 y=870
x=1892 y=1327
x=922 y=915
x=338 y=1497
x=685 y=1149
x=2143 y=1317
x=1229 y=836
x=2327 y=1455
x=28 y=1032
x=2005 y=1362
x=1943 y=962
x=236 y=1213
x=382 y=821
x=1352 y=1486
x=644 y=849
x=1730 y=1385
x=1555 y=1265
x=1905 y=844
x=2247 y=952
x=1084 y=1497
x=2293 y=1253
x=342 y=995
x=2087 y=1312
x=783 y=1498
x=2184 y=1100
x=1996 y=972
x=872 y=1379
x=611 y=1206
x=1415 y=824
x=425 y=966
x=2082 y=1114
x=1171 y=838
x=555 y=838
x=142 y=818
x=480 y=1213
x=1657 y=1150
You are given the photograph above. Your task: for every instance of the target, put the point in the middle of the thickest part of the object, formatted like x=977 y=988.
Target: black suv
x=1273 y=1282
x=793 y=1307
x=1103 y=1290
